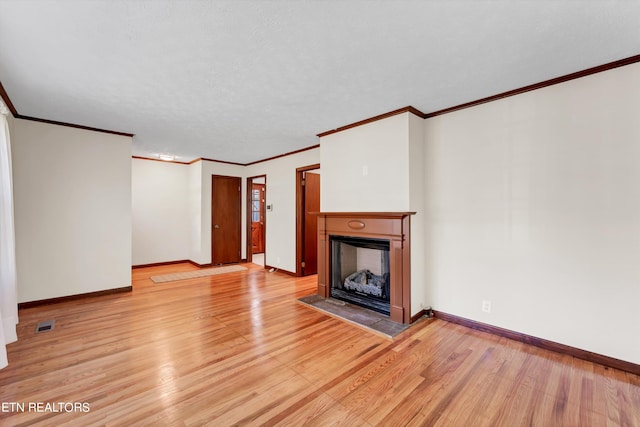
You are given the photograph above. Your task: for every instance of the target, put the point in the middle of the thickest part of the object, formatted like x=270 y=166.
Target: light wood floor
x=238 y=349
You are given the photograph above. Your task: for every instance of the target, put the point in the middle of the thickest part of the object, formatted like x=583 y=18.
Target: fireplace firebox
x=360 y=271
x=365 y=258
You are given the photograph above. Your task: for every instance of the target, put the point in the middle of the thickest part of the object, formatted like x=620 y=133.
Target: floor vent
x=45 y=326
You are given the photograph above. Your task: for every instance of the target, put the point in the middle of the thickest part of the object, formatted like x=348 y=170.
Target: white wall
x=161 y=212
x=195 y=214
x=281 y=194
x=72 y=210
x=380 y=147
x=533 y=203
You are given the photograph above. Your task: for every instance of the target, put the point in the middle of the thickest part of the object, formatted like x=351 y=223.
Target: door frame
x=300 y=214
x=248 y=218
x=213 y=177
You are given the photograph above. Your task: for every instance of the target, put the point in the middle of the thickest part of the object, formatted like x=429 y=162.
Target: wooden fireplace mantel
x=392 y=226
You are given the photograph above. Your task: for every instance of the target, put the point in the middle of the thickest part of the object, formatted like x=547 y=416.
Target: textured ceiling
x=245 y=80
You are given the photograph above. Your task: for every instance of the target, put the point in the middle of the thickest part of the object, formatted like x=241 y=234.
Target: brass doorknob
x=216 y=226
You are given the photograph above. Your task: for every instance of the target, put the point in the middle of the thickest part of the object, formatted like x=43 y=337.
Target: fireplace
x=364 y=258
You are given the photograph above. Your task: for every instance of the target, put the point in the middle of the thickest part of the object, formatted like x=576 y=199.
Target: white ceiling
x=242 y=81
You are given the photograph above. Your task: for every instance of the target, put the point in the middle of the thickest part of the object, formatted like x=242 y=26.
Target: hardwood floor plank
x=238 y=349
x=305 y=410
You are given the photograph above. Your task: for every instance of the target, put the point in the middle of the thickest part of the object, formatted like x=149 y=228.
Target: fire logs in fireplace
x=367 y=283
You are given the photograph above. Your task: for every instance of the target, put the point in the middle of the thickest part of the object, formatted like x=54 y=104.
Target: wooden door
x=225 y=219
x=311 y=204
x=258 y=197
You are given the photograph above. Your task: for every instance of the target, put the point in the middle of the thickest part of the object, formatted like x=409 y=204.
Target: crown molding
x=203 y=159
x=217 y=161
x=283 y=155
x=554 y=81
x=160 y=160
x=72 y=125
x=408 y=109
x=12 y=108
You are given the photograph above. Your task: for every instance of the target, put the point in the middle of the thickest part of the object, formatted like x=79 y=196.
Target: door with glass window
x=257 y=218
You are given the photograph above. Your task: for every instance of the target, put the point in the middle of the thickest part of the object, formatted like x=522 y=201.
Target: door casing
x=300 y=212
x=248 y=217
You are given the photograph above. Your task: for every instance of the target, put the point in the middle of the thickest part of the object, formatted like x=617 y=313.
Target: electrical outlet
x=486 y=306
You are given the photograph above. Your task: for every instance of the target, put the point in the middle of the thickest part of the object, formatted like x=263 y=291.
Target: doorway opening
x=256 y=219
x=307 y=201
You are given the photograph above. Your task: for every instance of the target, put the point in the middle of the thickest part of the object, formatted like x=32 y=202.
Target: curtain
x=8 y=277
